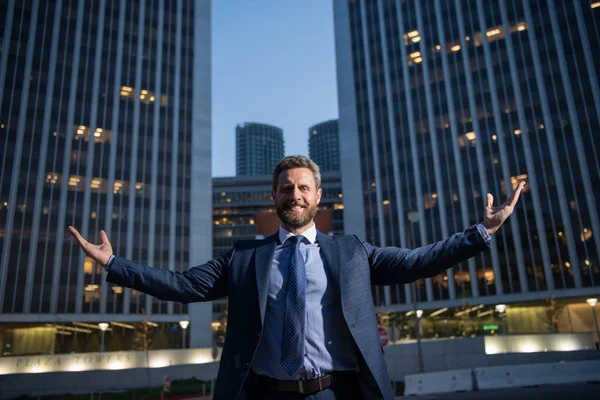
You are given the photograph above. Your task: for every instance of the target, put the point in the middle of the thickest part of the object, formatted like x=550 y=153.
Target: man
x=301 y=320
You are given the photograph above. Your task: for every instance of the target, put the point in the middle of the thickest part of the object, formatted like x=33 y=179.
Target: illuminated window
x=517 y=132
x=117 y=289
x=117 y=187
x=429 y=200
x=493 y=32
x=586 y=234
x=82 y=132
x=74 y=180
x=411 y=37
x=95 y=183
x=88 y=266
x=514 y=180
x=338 y=206
x=52 y=178
x=386 y=202
x=468 y=138
x=455 y=48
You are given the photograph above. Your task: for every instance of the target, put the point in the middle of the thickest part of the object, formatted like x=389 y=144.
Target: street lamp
x=103 y=327
x=501 y=308
x=592 y=302
x=413 y=217
x=183 y=324
x=418 y=315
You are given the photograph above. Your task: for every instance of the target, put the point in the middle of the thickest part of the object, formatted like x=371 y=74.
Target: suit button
x=257 y=335
x=246 y=366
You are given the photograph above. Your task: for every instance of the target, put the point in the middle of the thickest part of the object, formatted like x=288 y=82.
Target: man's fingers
x=103 y=237
x=515 y=196
x=77 y=236
x=490 y=200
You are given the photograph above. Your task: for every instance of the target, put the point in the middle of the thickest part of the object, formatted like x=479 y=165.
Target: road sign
x=383 y=336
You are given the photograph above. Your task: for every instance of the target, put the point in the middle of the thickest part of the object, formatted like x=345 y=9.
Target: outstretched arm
x=392 y=265
x=201 y=283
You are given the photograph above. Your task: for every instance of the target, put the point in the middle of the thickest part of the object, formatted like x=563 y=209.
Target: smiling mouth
x=295 y=208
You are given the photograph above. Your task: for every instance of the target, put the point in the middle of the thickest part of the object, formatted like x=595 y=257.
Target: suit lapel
x=330 y=254
x=263 y=261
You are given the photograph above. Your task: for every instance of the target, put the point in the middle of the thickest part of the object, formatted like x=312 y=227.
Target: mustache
x=294 y=204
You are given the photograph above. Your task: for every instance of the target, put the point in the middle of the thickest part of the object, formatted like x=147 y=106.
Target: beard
x=293 y=220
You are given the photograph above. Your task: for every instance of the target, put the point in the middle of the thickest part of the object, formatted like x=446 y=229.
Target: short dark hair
x=291 y=162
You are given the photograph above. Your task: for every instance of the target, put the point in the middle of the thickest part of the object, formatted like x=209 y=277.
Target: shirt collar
x=310 y=234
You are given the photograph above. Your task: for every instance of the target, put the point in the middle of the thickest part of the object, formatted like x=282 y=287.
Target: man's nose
x=297 y=193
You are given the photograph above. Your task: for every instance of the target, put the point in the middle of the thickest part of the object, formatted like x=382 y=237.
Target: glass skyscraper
x=443 y=101
x=105 y=124
x=258 y=148
x=323 y=145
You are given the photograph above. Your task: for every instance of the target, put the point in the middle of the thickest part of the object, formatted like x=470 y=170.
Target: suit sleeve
x=205 y=282
x=393 y=265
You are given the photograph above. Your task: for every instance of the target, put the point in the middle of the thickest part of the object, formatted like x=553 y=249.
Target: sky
x=273 y=62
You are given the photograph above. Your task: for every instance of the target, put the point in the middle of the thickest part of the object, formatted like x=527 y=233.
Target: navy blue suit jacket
x=243 y=273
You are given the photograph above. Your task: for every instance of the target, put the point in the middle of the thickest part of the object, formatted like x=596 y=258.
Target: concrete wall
x=99 y=381
x=452 y=354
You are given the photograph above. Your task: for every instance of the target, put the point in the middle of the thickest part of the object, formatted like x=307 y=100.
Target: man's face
x=296 y=198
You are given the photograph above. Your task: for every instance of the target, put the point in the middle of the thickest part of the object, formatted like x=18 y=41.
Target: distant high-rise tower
x=323 y=145
x=105 y=124
x=259 y=147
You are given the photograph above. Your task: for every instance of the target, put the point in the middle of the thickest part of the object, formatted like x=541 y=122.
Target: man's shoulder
x=340 y=239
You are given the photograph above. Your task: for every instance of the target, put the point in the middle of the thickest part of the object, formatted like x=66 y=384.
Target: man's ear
x=273 y=195
x=319 y=193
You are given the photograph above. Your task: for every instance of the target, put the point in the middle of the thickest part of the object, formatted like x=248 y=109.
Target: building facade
x=323 y=145
x=90 y=94
x=443 y=101
x=258 y=147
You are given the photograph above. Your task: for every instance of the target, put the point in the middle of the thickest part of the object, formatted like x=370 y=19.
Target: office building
x=443 y=101
x=105 y=124
x=258 y=147
x=323 y=145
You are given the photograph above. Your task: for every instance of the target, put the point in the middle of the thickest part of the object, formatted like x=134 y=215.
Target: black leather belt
x=307 y=385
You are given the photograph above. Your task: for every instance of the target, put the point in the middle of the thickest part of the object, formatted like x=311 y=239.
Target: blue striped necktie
x=292 y=345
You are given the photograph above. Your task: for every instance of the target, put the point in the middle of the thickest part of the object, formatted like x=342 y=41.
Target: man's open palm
x=494 y=217
x=99 y=252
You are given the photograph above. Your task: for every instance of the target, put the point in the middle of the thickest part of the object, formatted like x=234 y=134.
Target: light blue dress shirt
x=328 y=345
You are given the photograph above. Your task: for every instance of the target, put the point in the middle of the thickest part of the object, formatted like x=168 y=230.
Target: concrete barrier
x=99 y=381
x=537 y=374
x=458 y=380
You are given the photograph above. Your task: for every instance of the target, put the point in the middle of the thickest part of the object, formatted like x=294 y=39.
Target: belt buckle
x=300 y=387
